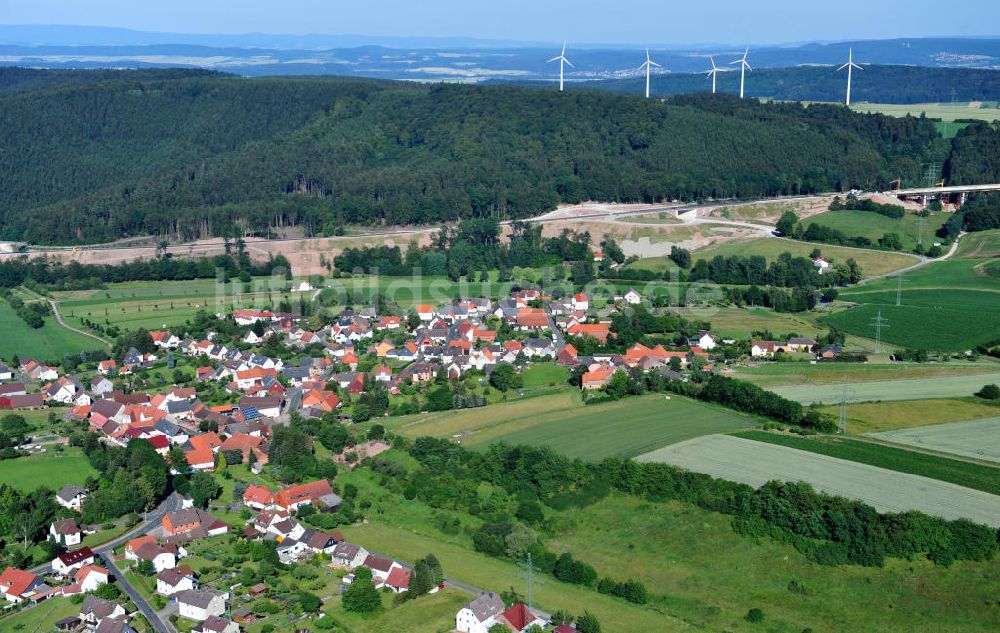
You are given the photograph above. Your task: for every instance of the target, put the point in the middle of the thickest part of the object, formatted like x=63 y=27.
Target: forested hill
x=874 y=84
x=192 y=156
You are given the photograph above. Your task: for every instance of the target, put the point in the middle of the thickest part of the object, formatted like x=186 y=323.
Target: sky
x=582 y=21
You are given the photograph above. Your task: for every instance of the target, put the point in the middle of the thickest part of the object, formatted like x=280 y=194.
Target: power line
x=879 y=322
x=529 y=577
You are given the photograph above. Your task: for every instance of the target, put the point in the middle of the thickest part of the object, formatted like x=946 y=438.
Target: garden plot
x=756 y=463
x=972 y=438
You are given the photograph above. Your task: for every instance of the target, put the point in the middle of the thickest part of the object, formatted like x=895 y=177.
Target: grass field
x=914 y=389
x=674 y=549
x=874 y=226
x=711 y=577
x=874 y=417
x=979 y=439
x=624 y=428
x=937 y=320
x=544 y=375
x=755 y=463
x=801 y=374
x=985 y=478
x=871 y=262
x=40 y=619
x=980 y=245
x=51 y=469
x=731 y=321
x=48 y=342
x=949 y=274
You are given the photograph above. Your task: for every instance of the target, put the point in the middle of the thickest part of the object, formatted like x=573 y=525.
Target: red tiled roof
x=15 y=581
x=399 y=578
x=519 y=616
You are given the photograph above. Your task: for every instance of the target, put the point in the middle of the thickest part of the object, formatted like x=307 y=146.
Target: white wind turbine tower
x=713 y=73
x=744 y=67
x=562 y=60
x=648 y=65
x=849 y=65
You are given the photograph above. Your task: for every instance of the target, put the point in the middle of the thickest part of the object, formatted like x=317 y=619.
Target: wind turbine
x=714 y=73
x=744 y=67
x=849 y=65
x=562 y=60
x=648 y=65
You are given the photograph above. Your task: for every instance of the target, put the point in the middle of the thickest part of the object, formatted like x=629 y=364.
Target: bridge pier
x=962 y=197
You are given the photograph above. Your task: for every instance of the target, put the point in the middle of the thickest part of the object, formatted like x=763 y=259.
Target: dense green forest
x=187 y=155
x=875 y=84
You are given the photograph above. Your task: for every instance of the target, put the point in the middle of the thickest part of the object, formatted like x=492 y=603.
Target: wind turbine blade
x=568 y=62
x=856 y=66
x=842 y=67
x=643 y=67
x=655 y=64
x=563 y=54
x=554 y=59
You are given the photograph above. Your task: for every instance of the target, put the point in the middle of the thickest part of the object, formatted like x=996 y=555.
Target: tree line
x=829 y=530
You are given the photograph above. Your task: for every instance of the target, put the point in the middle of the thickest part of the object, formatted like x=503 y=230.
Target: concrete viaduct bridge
x=957 y=193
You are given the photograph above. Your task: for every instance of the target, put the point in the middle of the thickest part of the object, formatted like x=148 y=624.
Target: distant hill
x=444 y=59
x=92 y=157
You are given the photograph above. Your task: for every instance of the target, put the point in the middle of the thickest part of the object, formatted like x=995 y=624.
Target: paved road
x=153 y=520
x=144 y=607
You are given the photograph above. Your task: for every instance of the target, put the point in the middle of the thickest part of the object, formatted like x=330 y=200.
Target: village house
x=146 y=547
x=348 y=555
x=18 y=585
x=192 y=523
x=200 y=604
x=216 y=624
x=480 y=614
x=175 y=580
x=65 y=532
x=88 y=578
x=67 y=564
x=70 y=496
x=95 y=610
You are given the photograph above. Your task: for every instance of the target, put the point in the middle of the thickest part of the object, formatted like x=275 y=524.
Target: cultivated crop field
x=987 y=111
x=979 y=439
x=624 y=428
x=756 y=463
x=800 y=374
x=874 y=417
x=962 y=473
x=874 y=226
x=51 y=469
x=937 y=320
x=916 y=389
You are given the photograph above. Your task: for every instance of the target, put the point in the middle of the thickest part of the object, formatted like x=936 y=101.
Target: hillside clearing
x=756 y=463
